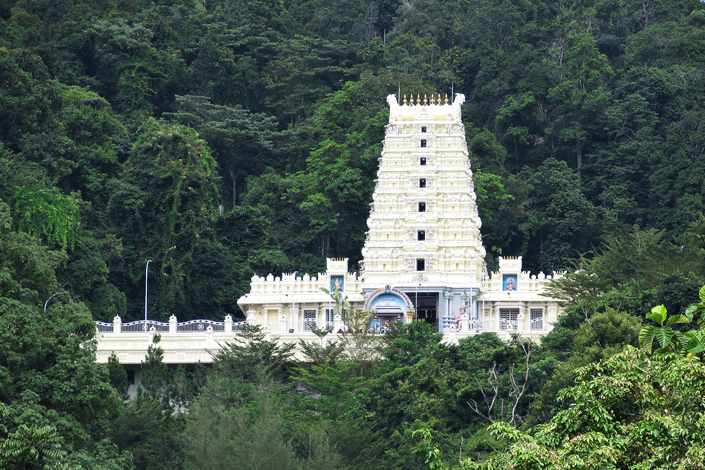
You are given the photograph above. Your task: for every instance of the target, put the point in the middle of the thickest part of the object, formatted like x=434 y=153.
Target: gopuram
x=423 y=256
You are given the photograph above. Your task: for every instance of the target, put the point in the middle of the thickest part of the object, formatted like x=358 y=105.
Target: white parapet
x=199 y=347
x=183 y=343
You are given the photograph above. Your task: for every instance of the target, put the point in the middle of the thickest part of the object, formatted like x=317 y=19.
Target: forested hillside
x=126 y=124
x=230 y=137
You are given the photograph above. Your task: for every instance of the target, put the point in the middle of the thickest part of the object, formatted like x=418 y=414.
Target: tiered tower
x=424 y=228
x=423 y=256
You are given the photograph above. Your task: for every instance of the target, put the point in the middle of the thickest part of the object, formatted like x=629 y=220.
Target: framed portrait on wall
x=509 y=282
x=337 y=283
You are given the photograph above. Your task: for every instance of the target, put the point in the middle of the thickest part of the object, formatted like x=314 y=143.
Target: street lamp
x=47 y=302
x=330 y=304
x=293 y=303
x=146 y=293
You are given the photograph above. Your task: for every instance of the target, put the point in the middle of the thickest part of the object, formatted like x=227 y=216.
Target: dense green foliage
x=225 y=138
x=582 y=118
x=627 y=411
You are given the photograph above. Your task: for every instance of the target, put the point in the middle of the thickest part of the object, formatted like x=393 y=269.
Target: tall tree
x=165 y=200
x=580 y=94
x=243 y=142
x=560 y=222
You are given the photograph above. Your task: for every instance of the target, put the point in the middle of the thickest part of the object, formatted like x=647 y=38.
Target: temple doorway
x=426 y=306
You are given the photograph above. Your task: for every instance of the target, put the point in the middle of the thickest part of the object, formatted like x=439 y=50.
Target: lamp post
x=293 y=303
x=47 y=302
x=330 y=306
x=146 y=293
x=473 y=292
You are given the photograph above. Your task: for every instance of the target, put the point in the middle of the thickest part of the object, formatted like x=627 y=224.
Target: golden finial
x=433 y=99
x=439 y=99
x=425 y=101
x=446 y=98
x=404 y=98
x=418 y=98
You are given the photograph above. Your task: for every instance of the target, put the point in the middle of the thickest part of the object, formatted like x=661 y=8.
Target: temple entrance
x=427 y=306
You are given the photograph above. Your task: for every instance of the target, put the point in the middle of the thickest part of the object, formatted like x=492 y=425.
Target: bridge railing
x=282 y=327
x=199 y=325
x=141 y=325
x=172 y=326
x=104 y=327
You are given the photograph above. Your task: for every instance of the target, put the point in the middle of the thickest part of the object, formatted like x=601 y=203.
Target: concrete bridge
x=195 y=341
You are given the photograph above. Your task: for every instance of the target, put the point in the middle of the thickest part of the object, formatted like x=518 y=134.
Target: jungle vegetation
x=225 y=138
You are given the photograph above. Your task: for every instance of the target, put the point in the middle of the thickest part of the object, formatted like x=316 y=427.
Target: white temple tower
x=423 y=259
x=423 y=256
x=424 y=228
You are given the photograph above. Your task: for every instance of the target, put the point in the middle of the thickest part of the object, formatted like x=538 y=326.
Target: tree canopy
x=225 y=138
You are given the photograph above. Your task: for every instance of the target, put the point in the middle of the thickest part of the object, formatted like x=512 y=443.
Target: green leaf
x=654 y=317
x=663 y=335
x=692 y=310
x=677 y=319
x=701 y=322
x=702 y=294
x=682 y=339
x=658 y=314
x=695 y=345
x=646 y=337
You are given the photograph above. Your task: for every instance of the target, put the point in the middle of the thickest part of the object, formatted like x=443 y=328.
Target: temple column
x=282 y=322
x=495 y=316
x=551 y=316
x=280 y=316
x=448 y=299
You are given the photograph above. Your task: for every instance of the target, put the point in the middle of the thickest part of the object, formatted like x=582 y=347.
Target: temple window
x=421 y=235
x=422 y=207
x=309 y=320
x=421 y=264
x=422 y=183
x=423 y=130
x=508 y=319
x=423 y=142
x=537 y=319
x=422 y=161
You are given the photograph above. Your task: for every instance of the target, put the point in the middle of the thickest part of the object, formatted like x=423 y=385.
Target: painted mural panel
x=509 y=282
x=337 y=283
x=388 y=308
